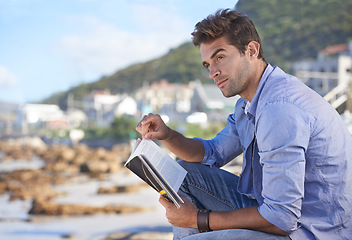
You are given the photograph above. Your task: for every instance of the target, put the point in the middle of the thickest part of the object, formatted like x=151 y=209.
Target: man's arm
x=188 y=149
x=244 y=218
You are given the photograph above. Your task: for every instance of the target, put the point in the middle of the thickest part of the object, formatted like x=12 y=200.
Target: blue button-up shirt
x=297 y=157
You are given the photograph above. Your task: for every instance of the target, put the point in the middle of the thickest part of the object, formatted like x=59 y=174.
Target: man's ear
x=253 y=49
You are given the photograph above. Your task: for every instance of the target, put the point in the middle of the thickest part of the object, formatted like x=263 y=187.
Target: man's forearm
x=245 y=218
x=188 y=149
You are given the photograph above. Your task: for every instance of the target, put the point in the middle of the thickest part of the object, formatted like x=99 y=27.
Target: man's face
x=229 y=69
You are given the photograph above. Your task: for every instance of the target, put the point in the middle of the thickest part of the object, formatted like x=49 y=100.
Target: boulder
x=41 y=206
x=95 y=166
x=122 y=189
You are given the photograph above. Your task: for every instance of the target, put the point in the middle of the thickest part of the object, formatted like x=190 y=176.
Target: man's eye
x=219 y=58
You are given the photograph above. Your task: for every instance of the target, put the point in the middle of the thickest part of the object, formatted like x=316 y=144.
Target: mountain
x=179 y=65
x=290 y=31
x=298 y=29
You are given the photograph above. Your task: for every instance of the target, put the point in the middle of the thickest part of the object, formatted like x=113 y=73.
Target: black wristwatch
x=203 y=220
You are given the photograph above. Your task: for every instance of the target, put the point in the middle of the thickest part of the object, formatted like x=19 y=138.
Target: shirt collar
x=248 y=104
x=253 y=105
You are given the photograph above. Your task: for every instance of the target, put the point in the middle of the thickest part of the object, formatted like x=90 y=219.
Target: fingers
x=185 y=216
x=169 y=207
x=143 y=126
x=145 y=129
x=148 y=126
x=166 y=204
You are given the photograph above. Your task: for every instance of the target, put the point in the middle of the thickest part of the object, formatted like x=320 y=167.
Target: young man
x=296 y=181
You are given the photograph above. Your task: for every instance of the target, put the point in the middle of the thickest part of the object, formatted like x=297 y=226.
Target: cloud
x=158 y=19
x=102 y=48
x=7 y=79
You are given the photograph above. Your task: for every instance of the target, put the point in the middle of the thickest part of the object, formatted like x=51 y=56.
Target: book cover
x=155 y=167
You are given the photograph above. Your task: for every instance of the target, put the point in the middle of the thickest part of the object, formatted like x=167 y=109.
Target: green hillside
x=297 y=29
x=181 y=65
x=290 y=29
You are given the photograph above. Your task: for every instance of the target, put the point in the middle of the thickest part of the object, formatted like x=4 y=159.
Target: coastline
x=82 y=189
x=15 y=222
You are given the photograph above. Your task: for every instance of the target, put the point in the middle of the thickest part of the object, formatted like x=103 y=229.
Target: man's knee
x=194 y=167
x=184 y=163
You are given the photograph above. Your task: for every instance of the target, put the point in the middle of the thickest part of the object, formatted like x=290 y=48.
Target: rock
x=114 y=167
x=100 y=153
x=68 y=154
x=95 y=166
x=26 y=184
x=41 y=206
x=3 y=187
x=121 y=189
x=68 y=236
x=140 y=236
x=62 y=163
x=123 y=149
x=79 y=159
x=119 y=236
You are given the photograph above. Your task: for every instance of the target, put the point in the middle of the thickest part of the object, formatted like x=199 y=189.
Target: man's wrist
x=203 y=220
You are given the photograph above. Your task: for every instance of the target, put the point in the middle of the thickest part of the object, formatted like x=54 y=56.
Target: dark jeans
x=216 y=189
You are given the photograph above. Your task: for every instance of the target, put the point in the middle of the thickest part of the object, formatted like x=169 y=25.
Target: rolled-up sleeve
x=224 y=147
x=282 y=137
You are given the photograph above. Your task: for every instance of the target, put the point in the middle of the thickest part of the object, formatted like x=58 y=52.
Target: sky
x=51 y=46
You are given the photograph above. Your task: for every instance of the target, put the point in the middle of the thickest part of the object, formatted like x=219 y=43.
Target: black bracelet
x=203 y=220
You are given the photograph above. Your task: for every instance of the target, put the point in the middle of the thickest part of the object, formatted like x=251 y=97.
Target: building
x=171 y=99
x=101 y=107
x=331 y=68
x=47 y=116
x=209 y=99
x=178 y=101
x=329 y=74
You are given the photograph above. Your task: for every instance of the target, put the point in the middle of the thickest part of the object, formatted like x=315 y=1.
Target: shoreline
x=81 y=189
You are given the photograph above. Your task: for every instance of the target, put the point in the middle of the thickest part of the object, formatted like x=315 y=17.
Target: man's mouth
x=221 y=83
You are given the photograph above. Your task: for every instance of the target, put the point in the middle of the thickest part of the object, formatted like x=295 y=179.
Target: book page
x=167 y=167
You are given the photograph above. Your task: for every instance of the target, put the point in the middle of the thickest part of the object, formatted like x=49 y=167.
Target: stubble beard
x=231 y=88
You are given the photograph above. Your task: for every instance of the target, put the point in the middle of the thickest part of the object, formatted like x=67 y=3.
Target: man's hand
x=153 y=127
x=185 y=216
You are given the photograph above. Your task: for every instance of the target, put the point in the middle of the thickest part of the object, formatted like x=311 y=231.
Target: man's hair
x=236 y=27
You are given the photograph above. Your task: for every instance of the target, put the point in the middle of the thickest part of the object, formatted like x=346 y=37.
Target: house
x=76 y=118
x=171 y=99
x=126 y=106
x=332 y=68
x=102 y=107
x=47 y=116
x=178 y=101
x=208 y=98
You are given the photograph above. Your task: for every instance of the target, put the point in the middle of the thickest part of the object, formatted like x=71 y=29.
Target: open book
x=154 y=166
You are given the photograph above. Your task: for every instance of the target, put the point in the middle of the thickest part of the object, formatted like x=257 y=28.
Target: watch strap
x=203 y=220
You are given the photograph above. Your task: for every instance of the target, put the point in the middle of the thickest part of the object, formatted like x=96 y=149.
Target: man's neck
x=258 y=73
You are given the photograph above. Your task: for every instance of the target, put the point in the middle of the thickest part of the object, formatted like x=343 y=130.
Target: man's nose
x=214 y=73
